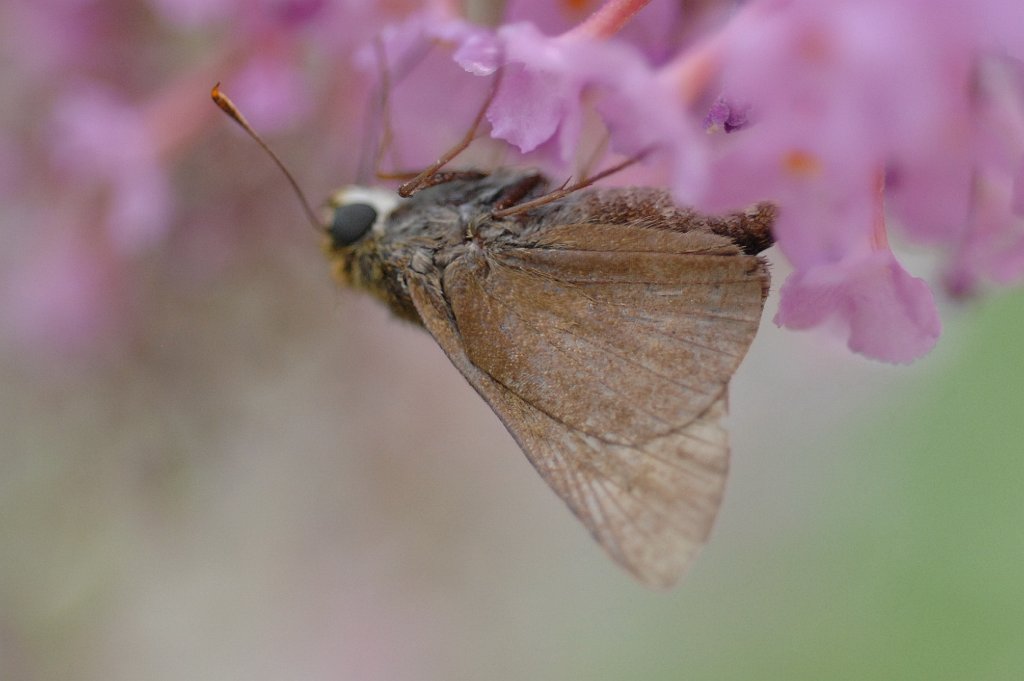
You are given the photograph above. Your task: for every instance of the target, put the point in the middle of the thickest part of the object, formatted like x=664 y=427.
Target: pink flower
x=273 y=92
x=98 y=138
x=547 y=83
x=833 y=109
x=822 y=99
x=884 y=312
x=992 y=247
x=432 y=100
x=542 y=86
x=840 y=92
x=725 y=116
x=655 y=31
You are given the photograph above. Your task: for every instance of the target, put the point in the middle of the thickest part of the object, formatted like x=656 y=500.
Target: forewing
x=608 y=360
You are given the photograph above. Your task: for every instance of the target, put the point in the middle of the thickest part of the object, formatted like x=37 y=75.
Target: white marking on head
x=383 y=201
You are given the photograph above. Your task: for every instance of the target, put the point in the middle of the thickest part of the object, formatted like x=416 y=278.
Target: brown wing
x=606 y=352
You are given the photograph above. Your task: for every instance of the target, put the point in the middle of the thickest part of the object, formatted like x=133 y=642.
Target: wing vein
x=575 y=362
x=613 y=352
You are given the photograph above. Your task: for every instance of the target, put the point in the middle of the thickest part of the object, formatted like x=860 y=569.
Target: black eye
x=350 y=223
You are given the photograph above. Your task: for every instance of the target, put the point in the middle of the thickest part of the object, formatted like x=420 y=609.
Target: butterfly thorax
x=424 y=233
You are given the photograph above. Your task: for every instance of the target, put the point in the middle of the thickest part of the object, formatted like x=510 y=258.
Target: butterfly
x=602 y=327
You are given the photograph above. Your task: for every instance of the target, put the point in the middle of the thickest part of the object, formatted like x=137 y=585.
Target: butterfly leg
x=424 y=179
x=383 y=109
x=565 y=189
x=517 y=192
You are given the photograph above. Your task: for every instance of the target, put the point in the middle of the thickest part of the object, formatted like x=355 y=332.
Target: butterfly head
x=355 y=213
x=354 y=221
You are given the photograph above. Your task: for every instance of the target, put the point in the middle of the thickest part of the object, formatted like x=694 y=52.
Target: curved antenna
x=228 y=107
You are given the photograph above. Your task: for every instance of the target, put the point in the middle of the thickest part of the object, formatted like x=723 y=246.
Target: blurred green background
x=295 y=486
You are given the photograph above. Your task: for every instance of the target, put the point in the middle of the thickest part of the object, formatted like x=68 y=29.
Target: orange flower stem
x=879 y=233
x=607 y=20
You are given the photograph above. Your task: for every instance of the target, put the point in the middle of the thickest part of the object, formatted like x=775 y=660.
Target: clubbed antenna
x=228 y=107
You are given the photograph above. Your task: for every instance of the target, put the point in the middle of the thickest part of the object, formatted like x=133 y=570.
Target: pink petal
x=992 y=245
x=884 y=312
x=530 y=107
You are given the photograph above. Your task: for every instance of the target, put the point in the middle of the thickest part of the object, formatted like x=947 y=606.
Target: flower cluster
x=848 y=114
x=861 y=119
x=106 y=117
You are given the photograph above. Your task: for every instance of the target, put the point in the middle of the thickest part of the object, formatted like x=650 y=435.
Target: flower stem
x=879 y=235
x=607 y=20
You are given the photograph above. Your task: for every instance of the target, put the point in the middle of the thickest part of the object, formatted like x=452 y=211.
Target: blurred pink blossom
x=810 y=104
x=193 y=13
x=59 y=297
x=106 y=115
x=275 y=93
x=829 y=96
x=884 y=312
x=99 y=138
